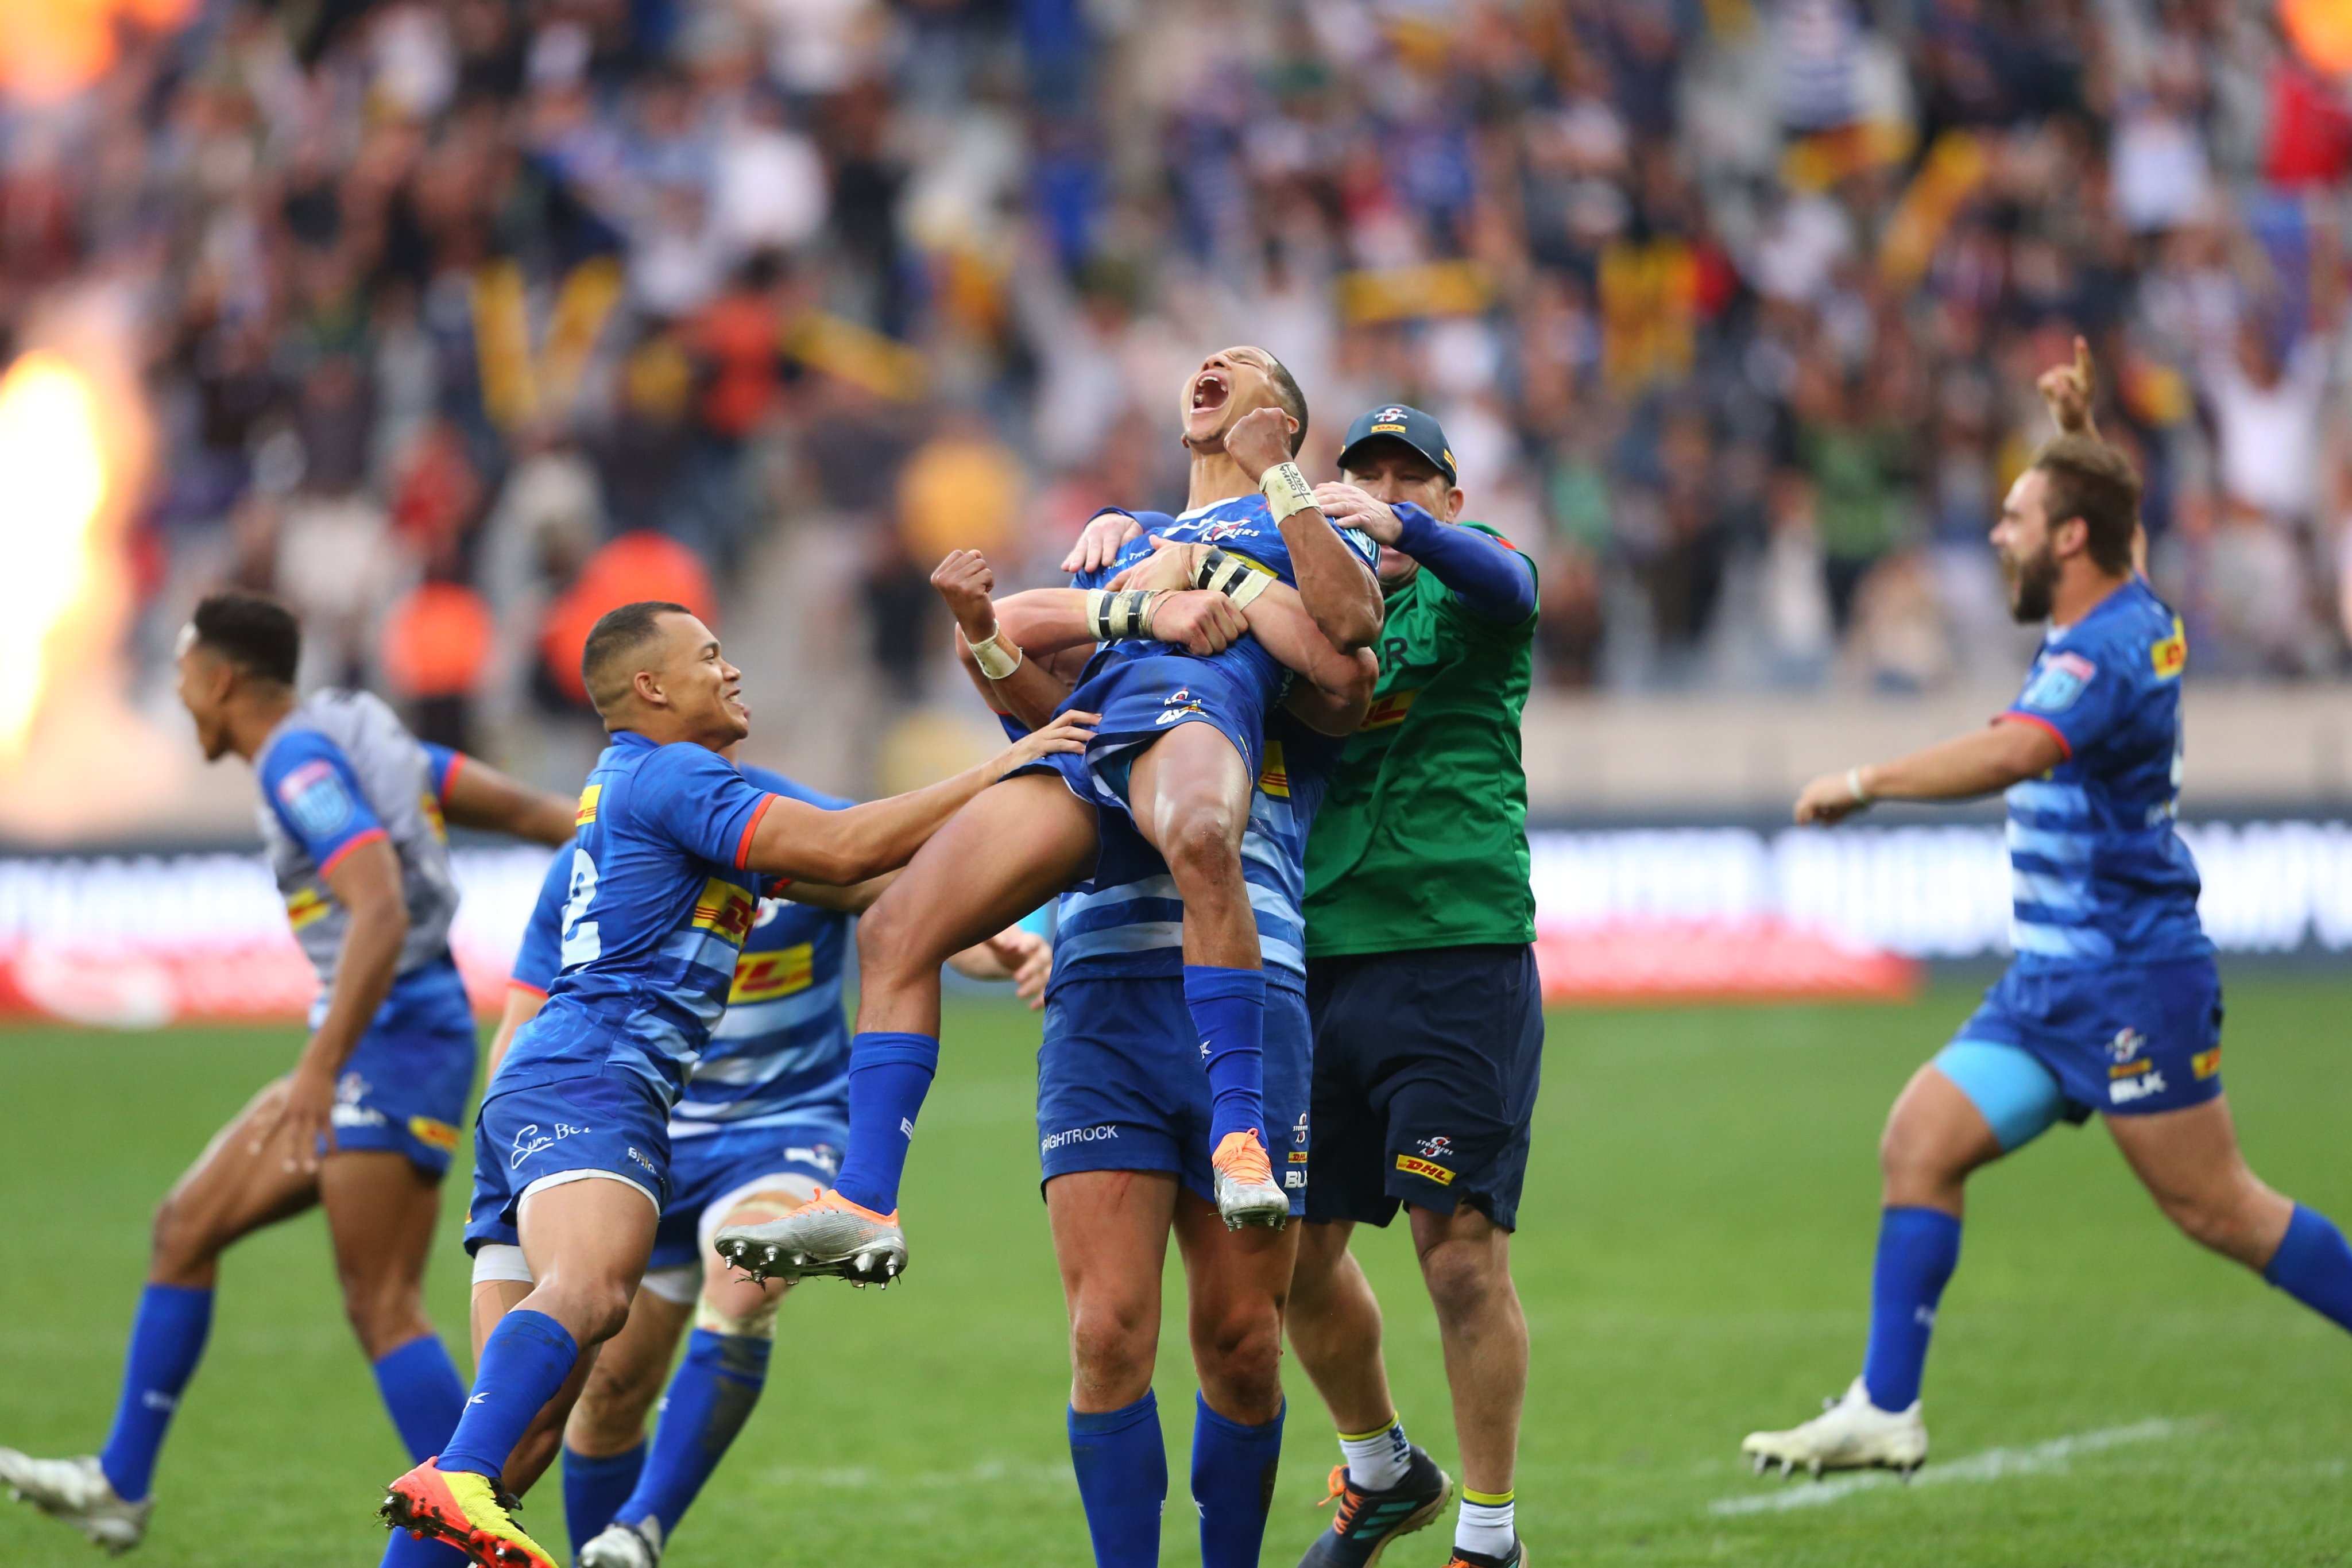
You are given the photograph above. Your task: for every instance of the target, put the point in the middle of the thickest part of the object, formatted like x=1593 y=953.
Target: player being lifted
x=1180 y=742
x=2112 y=1003
x=1124 y=1113
x=571 y=1144
x=759 y=1130
x=352 y=813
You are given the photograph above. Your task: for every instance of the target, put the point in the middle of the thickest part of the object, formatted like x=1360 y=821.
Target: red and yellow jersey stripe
x=726 y=910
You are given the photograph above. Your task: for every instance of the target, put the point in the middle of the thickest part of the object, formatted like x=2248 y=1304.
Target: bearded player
x=2112 y=1004
x=352 y=813
x=571 y=1144
x=1180 y=743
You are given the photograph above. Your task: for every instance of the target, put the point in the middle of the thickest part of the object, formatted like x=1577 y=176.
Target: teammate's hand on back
x=1200 y=620
x=965 y=580
x=1831 y=797
x=1169 y=569
x=2066 y=390
x=1068 y=732
x=1100 y=542
x=1260 y=440
x=1349 y=507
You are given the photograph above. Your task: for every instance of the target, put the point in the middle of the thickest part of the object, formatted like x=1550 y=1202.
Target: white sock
x=1486 y=1528
x=1377 y=1460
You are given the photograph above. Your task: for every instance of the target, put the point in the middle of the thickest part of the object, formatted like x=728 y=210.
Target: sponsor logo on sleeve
x=2171 y=656
x=725 y=910
x=2058 y=682
x=587 y=813
x=1388 y=712
x=315 y=798
x=764 y=976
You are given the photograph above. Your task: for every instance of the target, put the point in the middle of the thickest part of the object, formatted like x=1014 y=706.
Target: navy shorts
x=1120 y=1086
x=1141 y=699
x=542 y=1134
x=1426 y=1065
x=712 y=1168
x=403 y=1087
x=2124 y=1041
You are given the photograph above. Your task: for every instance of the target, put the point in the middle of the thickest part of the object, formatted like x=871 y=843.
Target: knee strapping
x=758 y=1323
x=495 y=1260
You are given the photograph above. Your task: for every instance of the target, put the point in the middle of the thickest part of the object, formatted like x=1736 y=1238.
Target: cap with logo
x=1398 y=422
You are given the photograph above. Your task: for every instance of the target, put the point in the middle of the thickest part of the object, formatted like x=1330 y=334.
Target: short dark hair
x=251 y=631
x=2089 y=479
x=618 y=633
x=1294 y=402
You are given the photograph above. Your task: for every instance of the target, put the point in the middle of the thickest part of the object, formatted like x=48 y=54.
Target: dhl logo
x=431 y=1133
x=2206 y=1063
x=764 y=976
x=430 y=804
x=1412 y=1165
x=587 y=813
x=726 y=909
x=305 y=907
x=2171 y=656
x=1390 y=710
x=1298 y=1157
x=2129 y=1069
x=1275 y=776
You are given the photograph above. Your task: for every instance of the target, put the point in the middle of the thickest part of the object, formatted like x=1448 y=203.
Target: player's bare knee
x=890 y=940
x=1112 y=1344
x=179 y=1241
x=1463 y=1274
x=1202 y=845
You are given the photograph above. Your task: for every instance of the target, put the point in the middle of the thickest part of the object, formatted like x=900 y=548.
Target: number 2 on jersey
x=581 y=942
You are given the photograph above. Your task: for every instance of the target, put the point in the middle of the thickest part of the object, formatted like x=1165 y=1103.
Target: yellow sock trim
x=1489 y=1499
x=1390 y=1425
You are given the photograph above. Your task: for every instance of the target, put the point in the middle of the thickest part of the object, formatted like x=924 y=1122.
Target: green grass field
x=1695 y=1262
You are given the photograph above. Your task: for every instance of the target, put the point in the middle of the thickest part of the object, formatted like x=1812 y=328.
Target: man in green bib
x=1427 y=1012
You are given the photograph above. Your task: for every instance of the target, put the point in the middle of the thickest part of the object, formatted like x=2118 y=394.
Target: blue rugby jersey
x=2099 y=875
x=779 y=1056
x=656 y=907
x=1243 y=527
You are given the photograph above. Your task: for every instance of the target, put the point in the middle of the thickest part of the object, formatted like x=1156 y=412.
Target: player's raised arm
x=1991 y=760
x=473 y=794
x=1335 y=583
x=793 y=838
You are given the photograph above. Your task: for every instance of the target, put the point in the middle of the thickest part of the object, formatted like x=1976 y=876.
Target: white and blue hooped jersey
x=2099 y=874
x=1243 y=527
x=779 y=1056
x=1126 y=922
x=656 y=907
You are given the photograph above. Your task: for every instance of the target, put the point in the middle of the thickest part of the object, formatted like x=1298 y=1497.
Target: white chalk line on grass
x=1992 y=1464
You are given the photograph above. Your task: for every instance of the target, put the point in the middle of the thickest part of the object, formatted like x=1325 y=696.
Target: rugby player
x=758 y=1131
x=1178 y=748
x=571 y=1144
x=2112 y=1004
x=1428 y=1012
x=1124 y=1114
x=352 y=813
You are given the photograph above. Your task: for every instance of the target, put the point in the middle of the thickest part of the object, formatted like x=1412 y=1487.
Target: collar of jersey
x=2053 y=635
x=1204 y=511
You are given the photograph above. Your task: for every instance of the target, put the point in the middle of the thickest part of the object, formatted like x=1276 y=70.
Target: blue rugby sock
x=404 y=1550
x=1122 y=1462
x=167 y=1340
x=1228 y=1008
x=1233 y=1482
x=422 y=1389
x=523 y=1365
x=889 y=1076
x=2313 y=1266
x=1917 y=1248
x=595 y=1490
x=710 y=1397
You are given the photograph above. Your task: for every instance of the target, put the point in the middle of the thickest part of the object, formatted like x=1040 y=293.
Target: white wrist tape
x=1286 y=490
x=1114 y=617
x=1231 y=576
x=994 y=662
x=1862 y=797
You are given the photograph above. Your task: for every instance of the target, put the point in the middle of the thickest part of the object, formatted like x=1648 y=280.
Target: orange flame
x=50 y=49
x=51 y=447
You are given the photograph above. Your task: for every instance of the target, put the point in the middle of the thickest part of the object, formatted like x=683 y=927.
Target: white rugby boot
x=625 y=1546
x=1850 y=1434
x=827 y=1234
x=78 y=1492
x=1243 y=1178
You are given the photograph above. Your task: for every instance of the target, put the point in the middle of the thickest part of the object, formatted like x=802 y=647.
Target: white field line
x=1992 y=1464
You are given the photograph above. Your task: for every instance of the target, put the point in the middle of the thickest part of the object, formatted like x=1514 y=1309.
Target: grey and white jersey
x=394 y=779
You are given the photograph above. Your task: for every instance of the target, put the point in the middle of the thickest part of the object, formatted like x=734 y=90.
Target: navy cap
x=1398 y=422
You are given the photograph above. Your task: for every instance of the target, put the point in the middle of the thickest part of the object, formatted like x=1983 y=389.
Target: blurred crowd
x=462 y=319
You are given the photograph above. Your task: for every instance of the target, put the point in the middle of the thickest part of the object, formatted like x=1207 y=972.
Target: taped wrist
x=1231 y=576
x=1114 y=617
x=994 y=660
x=1286 y=490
